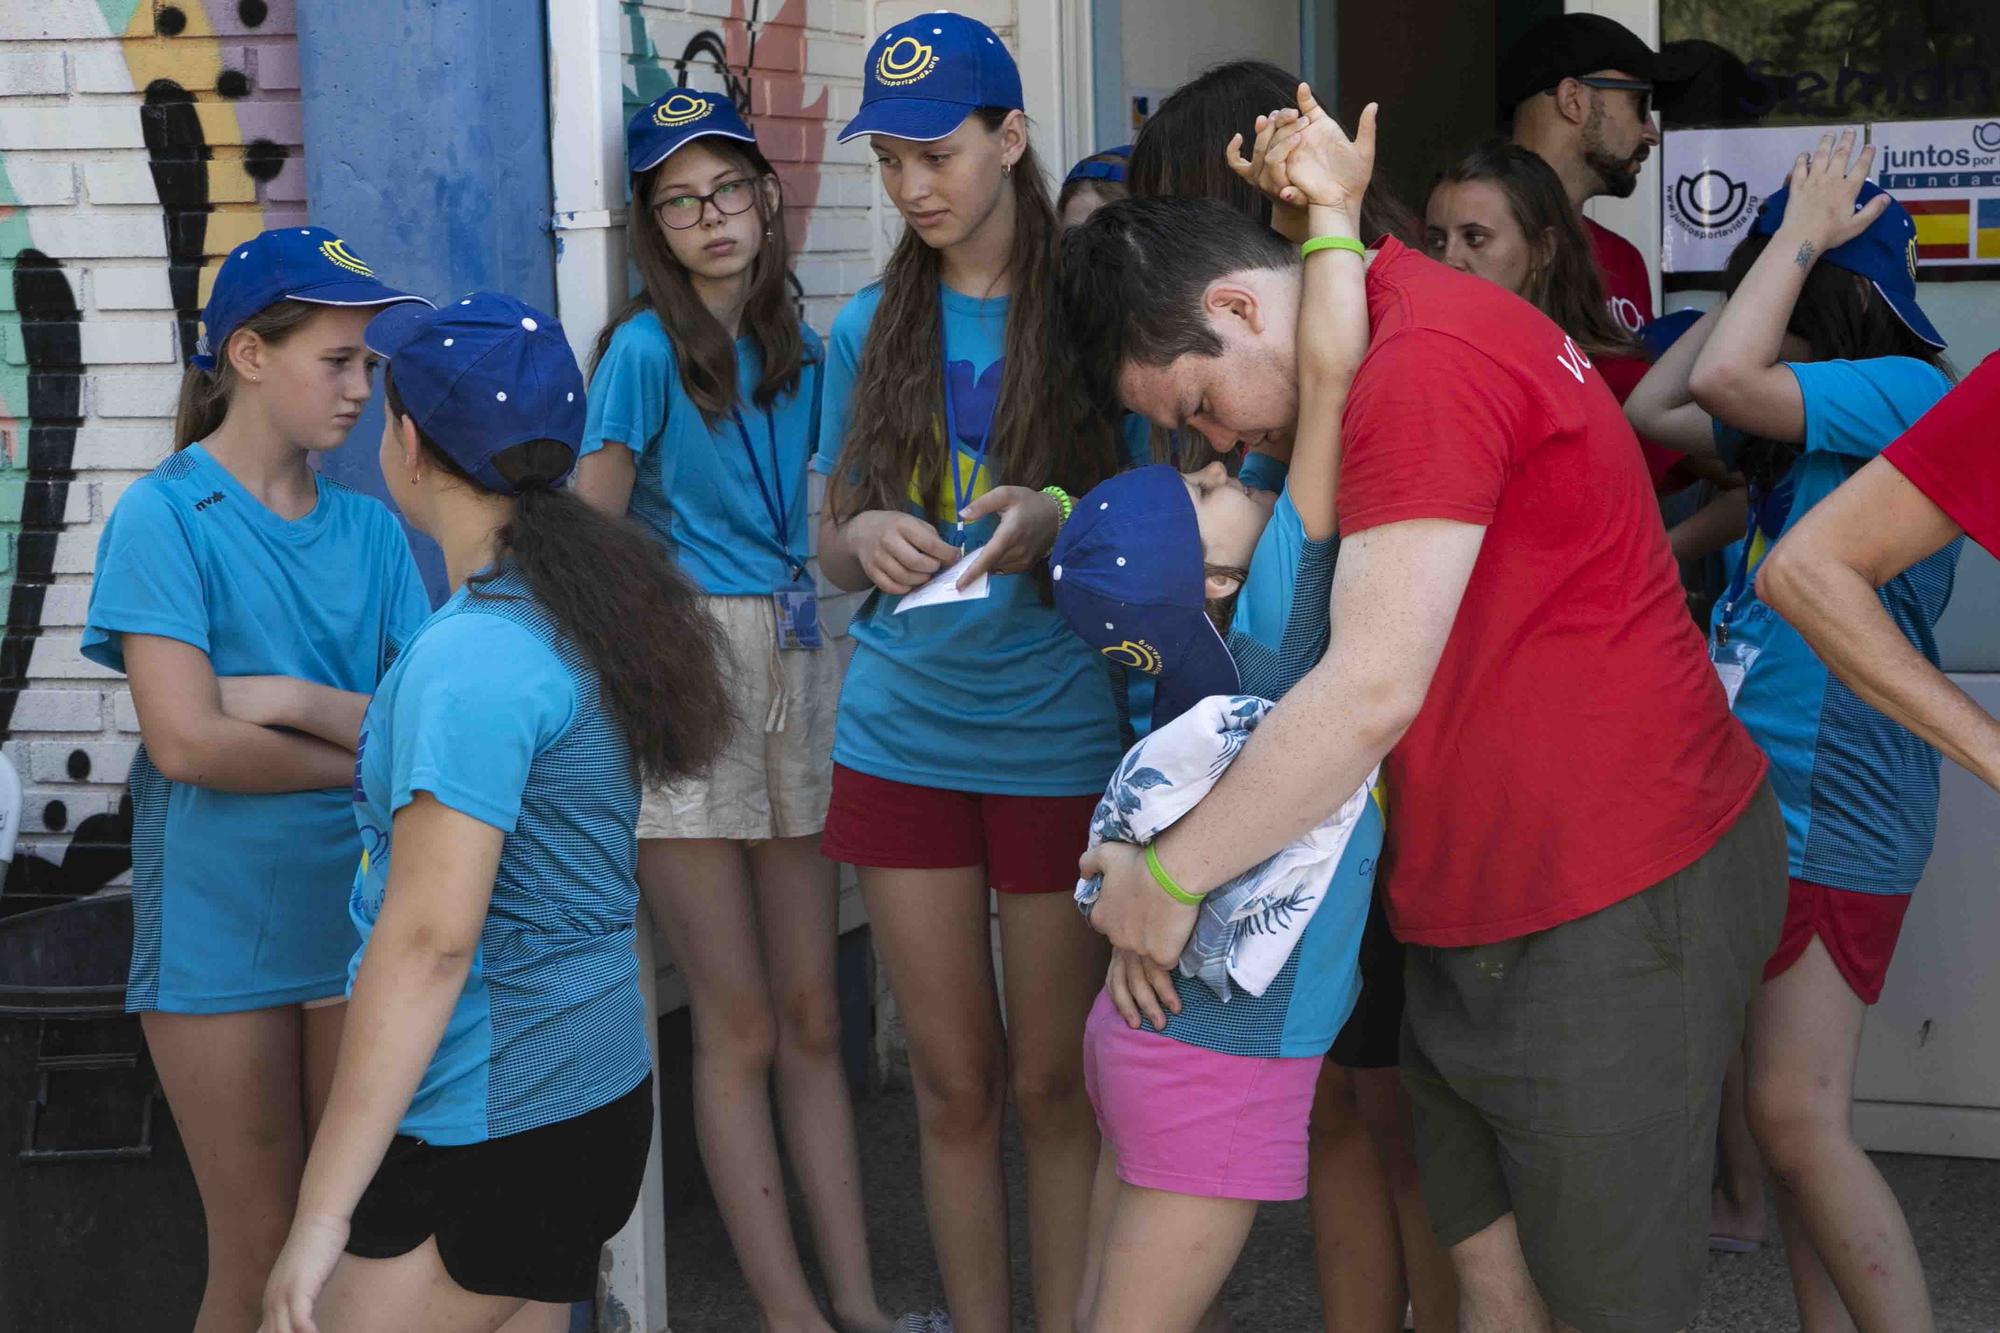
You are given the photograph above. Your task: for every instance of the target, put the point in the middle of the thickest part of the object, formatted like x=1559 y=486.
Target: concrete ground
x=1953 y=1205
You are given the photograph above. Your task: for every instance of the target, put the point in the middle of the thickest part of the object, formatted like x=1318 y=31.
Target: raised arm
x=192 y=739
x=1308 y=159
x=1822 y=578
x=1662 y=406
x=1739 y=377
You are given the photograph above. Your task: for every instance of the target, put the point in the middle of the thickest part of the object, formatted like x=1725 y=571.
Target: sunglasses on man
x=1639 y=86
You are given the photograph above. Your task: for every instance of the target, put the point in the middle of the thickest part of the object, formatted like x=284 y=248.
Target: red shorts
x=1028 y=844
x=1859 y=930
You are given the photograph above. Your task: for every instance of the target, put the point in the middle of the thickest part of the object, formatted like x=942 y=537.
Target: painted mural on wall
x=212 y=152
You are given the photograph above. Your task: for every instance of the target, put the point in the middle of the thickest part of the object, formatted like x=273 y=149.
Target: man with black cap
x=1579 y=89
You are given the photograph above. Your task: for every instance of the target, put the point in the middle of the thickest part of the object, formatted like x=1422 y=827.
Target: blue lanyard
x=962 y=490
x=773 y=490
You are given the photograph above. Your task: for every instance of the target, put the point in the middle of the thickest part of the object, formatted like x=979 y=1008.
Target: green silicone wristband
x=1318 y=243
x=1063 y=504
x=1166 y=881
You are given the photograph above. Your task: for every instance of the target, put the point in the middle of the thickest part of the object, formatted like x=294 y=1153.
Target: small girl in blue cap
x=1205 y=586
x=492 y=1109
x=254 y=604
x=1818 y=359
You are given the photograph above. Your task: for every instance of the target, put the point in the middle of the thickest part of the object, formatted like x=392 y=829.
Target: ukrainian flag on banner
x=1986 y=243
x=1944 y=227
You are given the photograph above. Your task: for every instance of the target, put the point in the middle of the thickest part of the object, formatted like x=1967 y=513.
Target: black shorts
x=525 y=1215
x=1373 y=1035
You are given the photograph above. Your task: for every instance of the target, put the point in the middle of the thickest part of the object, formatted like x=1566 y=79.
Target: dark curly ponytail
x=620 y=600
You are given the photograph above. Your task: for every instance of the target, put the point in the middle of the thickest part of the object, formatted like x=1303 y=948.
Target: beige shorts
x=774 y=778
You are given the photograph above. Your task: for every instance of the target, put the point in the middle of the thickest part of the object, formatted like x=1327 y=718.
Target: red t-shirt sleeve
x=1432 y=429
x=1951 y=455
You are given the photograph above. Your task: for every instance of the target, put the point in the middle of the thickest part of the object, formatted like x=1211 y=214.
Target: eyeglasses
x=682 y=211
x=1639 y=86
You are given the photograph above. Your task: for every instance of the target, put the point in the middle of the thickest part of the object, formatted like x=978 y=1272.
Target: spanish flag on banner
x=1944 y=227
x=1986 y=241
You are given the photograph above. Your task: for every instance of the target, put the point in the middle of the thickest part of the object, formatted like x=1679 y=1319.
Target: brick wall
x=139 y=140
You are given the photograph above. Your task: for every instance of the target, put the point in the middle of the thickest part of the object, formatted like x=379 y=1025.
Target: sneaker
x=931 y=1321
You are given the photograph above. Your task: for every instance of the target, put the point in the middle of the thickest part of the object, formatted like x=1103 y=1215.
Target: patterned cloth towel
x=1249 y=926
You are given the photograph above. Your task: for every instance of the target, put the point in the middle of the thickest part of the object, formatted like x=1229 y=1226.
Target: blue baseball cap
x=1093 y=168
x=1885 y=254
x=1129 y=580
x=927 y=74
x=682 y=116
x=307 y=264
x=481 y=375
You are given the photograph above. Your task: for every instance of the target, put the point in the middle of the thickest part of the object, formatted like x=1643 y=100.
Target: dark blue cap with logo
x=927 y=74
x=683 y=115
x=307 y=264
x=1129 y=580
x=1885 y=254
x=481 y=375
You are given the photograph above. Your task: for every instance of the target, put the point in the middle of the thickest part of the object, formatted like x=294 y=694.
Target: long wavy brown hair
x=618 y=596
x=706 y=351
x=1563 y=282
x=1046 y=430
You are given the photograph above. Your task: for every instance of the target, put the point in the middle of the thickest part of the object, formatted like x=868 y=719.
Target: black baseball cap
x=1567 y=48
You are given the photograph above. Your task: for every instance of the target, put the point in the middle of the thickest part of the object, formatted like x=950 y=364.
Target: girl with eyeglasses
x=704 y=404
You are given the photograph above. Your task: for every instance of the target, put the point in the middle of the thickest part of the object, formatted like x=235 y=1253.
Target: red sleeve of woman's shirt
x=1952 y=455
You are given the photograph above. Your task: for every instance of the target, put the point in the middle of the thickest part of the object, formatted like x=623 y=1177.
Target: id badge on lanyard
x=1729 y=650
x=1732 y=659
x=797 y=605
x=794 y=604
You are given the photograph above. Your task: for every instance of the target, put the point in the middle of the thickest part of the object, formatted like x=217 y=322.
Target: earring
x=767 y=233
x=1006 y=168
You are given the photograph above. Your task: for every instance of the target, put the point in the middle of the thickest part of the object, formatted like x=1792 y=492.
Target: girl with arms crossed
x=254 y=604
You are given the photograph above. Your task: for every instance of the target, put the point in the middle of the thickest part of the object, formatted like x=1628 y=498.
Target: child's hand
x=1820 y=212
x=1141 y=988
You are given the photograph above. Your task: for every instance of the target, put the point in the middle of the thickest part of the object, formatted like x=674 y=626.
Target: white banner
x=1946 y=172
x=1711 y=182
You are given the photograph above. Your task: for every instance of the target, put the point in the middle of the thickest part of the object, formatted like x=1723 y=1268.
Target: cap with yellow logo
x=308 y=264
x=927 y=74
x=682 y=116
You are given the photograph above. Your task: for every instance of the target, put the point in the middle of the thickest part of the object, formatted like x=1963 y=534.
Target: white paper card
x=943 y=588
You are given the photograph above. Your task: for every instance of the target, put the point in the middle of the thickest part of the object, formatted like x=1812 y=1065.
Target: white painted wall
x=1167 y=42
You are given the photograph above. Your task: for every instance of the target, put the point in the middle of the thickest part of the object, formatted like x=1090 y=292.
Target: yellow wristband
x=1319 y=243
x=1166 y=881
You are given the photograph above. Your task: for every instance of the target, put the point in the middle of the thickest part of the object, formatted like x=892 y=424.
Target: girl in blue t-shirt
x=1820 y=357
x=974 y=730
x=491 y=1112
x=704 y=404
x=254 y=604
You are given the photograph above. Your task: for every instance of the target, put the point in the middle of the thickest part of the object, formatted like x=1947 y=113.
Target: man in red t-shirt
x=1940 y=480
x=1579 y=90
x=1582 y=837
